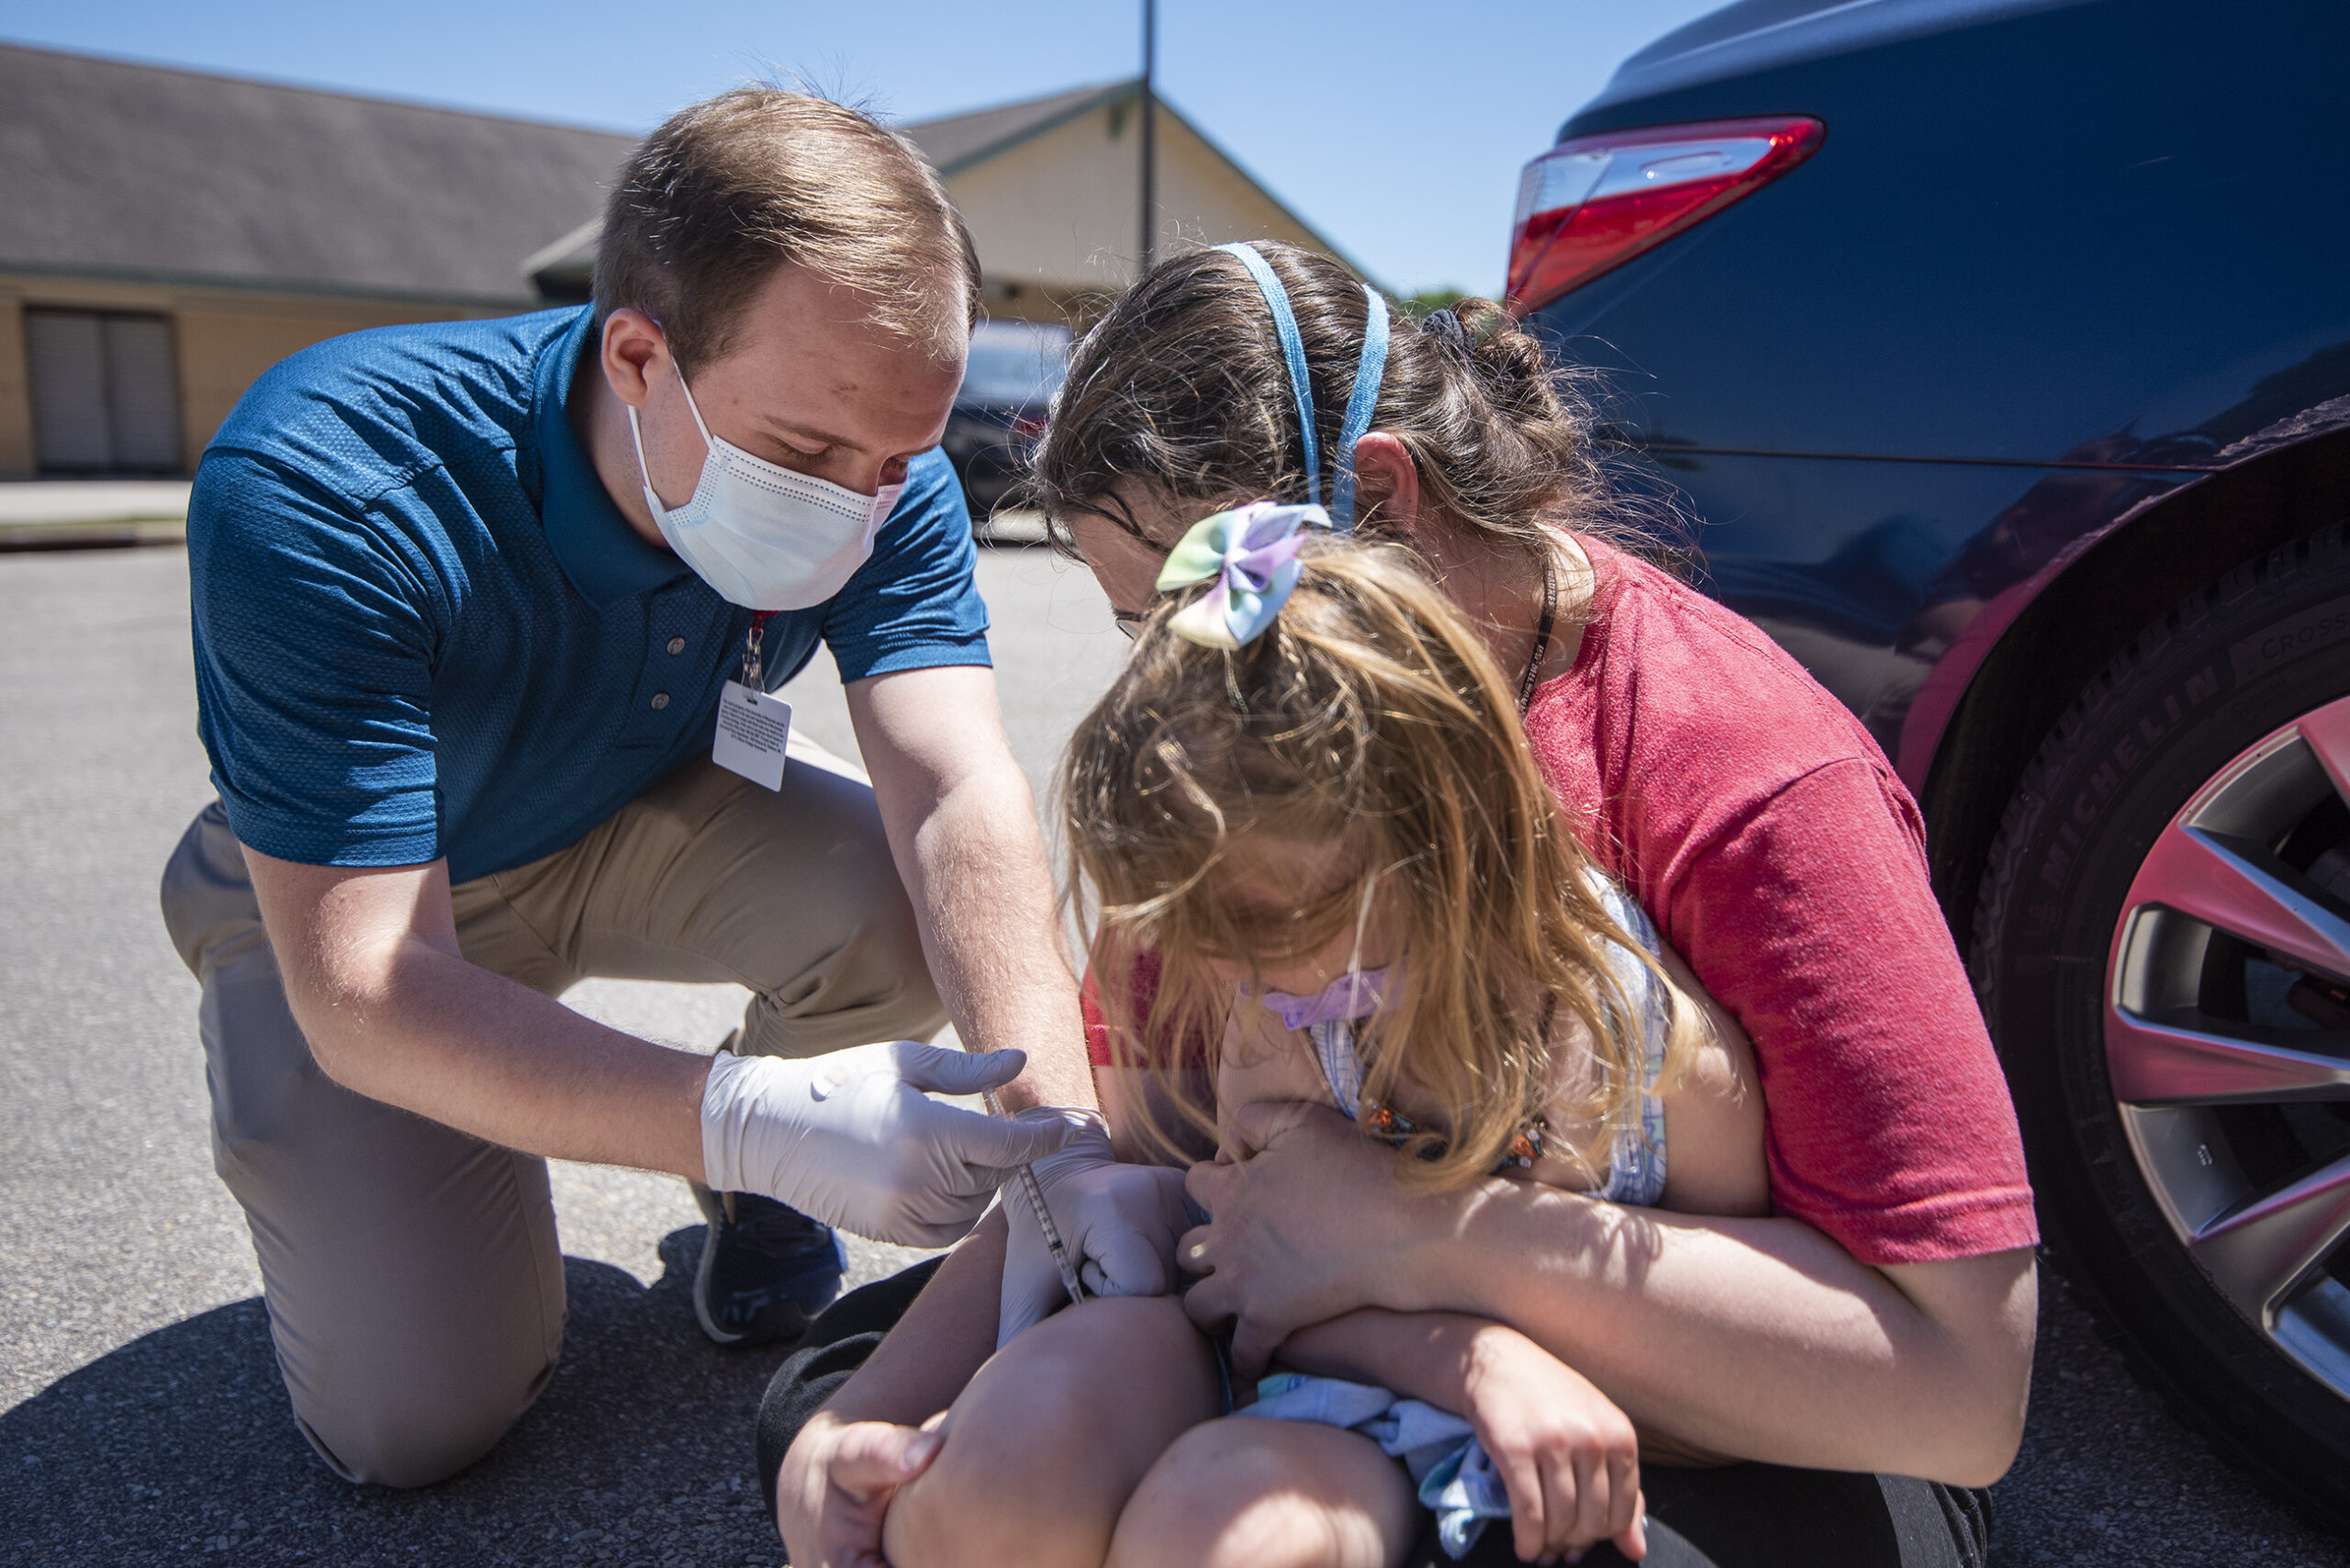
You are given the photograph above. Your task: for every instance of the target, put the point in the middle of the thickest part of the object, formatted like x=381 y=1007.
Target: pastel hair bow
x=1250 y=554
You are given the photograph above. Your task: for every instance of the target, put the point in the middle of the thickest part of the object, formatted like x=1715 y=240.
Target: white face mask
x=764 y=537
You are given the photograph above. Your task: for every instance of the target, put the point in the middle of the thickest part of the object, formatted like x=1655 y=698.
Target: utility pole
x=1149 y=131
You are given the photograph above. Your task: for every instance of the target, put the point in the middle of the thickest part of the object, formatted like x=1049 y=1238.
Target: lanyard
x=1541 y=635
x=751 y=666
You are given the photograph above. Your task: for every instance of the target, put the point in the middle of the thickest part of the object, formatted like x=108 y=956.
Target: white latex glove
x=1119 y=1222
x=851 y=1139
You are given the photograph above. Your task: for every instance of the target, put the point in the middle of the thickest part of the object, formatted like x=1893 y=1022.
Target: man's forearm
x=393 y=1010
x=1758 y=1337
x=471 y=1050
x=994 y=945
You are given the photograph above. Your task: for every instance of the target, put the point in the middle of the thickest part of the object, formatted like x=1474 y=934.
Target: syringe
x=1034 y=1191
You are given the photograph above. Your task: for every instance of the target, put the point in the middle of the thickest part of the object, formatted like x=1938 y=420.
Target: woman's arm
x=1755 y=1338
x=1759 y=1337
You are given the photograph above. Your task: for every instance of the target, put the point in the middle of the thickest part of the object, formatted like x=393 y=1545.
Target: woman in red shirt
x=1868 y=1345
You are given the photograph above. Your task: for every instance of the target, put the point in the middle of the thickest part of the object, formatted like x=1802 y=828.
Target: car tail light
x=1028 y=427
x=1590 y=205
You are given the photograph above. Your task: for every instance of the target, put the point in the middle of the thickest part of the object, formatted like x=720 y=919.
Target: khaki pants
x=413 y=1276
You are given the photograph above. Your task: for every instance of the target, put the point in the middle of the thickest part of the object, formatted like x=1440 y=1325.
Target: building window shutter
x=106 y=398
x=143 y=394
x=68 y=362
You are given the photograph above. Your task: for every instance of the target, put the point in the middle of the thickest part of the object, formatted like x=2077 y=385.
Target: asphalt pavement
x=141 y=1420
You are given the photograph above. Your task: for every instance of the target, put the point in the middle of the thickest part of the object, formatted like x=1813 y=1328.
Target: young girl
x=1307 y=802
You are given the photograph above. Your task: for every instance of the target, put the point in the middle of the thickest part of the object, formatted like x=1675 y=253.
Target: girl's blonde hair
x=1370 y=718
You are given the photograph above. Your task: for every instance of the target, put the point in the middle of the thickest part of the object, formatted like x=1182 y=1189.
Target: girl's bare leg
x=1048 y=1440
x=1241 y=1493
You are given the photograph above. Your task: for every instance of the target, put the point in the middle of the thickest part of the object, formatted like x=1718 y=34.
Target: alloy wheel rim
x=2226 y=1041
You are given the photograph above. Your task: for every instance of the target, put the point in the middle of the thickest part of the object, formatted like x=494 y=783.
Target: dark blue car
x=2002 y=349
x=1009 y=380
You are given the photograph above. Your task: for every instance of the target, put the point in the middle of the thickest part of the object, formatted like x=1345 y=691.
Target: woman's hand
x=1307 y=1227
x=1568 y=1457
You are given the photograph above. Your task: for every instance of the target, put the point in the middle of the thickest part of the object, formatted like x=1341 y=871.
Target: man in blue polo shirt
x=486 y=617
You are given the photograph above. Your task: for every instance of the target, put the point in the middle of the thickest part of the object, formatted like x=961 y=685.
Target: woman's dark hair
x=1181 y=389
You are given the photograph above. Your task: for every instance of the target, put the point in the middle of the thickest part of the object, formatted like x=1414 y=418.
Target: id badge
x=753 y=729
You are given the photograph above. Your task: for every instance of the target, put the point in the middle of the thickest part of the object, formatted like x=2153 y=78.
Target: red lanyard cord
x=752 y=670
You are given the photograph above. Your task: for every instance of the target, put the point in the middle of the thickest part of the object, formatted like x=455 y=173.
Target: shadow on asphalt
x=178 y=1447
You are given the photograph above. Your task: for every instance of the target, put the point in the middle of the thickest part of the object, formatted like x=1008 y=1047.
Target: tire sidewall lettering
x=2074 y=827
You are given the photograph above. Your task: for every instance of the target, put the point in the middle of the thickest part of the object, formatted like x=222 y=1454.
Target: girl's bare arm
x=1714 y=1115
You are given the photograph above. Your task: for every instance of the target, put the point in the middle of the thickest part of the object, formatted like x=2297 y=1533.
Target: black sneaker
x=767 y=1270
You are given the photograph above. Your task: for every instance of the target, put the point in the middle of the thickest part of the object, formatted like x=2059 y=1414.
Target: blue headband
x=1359 y=402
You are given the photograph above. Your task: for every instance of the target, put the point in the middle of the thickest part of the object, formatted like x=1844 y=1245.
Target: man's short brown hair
x=728 y=190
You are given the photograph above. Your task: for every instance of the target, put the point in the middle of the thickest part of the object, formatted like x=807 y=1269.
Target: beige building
x=1052 y=190
x=166 y=236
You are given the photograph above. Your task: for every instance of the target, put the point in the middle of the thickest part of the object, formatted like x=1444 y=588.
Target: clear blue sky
x=1398 y=130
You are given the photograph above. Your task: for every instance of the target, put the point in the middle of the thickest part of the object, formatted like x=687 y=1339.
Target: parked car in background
x=2002 y=349
x=1014 y=369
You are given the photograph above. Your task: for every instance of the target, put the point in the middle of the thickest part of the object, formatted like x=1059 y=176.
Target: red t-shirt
x=1763 y=830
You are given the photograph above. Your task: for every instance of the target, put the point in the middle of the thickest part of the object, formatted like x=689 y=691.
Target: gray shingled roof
x=956 y=140
x=135 y=171
x=112 y=169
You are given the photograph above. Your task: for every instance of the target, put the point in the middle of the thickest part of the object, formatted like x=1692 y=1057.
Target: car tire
x=2162 y=951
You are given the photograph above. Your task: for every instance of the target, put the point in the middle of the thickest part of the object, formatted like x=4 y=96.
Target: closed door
x=105 y=399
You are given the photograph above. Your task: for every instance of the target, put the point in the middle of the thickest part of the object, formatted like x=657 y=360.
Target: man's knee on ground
x=412 y=1438
x=1046 y=1445
x=1249 y=1493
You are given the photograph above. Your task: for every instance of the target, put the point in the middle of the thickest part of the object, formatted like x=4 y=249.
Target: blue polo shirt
x=422 y=629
